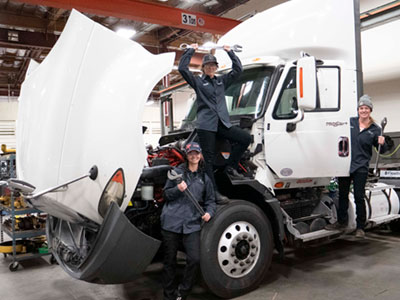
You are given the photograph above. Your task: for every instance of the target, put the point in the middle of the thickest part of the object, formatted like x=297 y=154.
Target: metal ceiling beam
x=36 y=40
x=5 y=91
x=54 y=18
x=24 y=39
x=167 y=35
x=146 y=12
x=8 y=70
x=13 y=20
x=49 y=26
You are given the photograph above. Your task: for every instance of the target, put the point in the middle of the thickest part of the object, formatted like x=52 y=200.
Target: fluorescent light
x=210 y=3
x=126 y=33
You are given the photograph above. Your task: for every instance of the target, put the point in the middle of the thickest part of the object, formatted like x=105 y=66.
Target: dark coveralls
x=180 y=221
x=361 y=152
x=212 y=113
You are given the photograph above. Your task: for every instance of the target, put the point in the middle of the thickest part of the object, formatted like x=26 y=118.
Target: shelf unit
x=18 y=235
x=7 y=166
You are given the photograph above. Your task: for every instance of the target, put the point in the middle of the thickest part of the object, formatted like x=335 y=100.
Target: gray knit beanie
x=365 y=100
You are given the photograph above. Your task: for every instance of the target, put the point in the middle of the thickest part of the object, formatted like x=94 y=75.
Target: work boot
x=360 y=234
x=221 y=199
x=233 y=173
x=335 y=226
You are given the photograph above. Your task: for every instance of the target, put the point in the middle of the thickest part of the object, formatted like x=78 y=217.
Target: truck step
x=306 y=237
x=383 y=219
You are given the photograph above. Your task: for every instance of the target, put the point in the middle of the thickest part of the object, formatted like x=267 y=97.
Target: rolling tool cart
x=20 y=234
x=23 y=231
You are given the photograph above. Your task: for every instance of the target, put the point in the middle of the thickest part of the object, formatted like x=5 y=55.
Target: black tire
x=13 y=266
x=247 y=234
x=53 y=260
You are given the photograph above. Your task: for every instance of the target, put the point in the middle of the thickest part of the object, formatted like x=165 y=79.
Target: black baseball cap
x=209 y=58
x=193 y=146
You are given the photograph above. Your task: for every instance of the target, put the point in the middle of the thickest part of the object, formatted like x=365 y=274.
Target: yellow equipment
x=5 y=150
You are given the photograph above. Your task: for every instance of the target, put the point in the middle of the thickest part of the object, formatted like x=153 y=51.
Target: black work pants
x=359 y=180
x=234 y=134
x=191 y=243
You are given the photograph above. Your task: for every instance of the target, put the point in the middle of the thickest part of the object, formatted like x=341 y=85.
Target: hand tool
x=173 y=175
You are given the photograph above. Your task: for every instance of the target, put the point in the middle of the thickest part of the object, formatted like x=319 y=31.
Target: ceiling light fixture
x=210 y=3
x=126 y=33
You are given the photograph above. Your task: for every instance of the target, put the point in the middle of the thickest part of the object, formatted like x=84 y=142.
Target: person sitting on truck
x=212 y=113
x=364 y=134
x=181 y=222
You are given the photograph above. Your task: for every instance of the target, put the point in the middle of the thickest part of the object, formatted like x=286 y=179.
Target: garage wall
x=381 y=68
x=151 y=116
x=182 y=104
x=8 y=115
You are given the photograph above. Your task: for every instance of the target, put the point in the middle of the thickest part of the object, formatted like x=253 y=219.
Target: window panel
x=328 y=82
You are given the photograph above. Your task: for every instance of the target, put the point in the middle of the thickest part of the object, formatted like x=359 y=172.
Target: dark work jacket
x=211 y=104
x=361 y=145
x=179 y=215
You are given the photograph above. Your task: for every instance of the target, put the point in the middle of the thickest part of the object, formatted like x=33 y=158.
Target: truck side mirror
x=306 y=83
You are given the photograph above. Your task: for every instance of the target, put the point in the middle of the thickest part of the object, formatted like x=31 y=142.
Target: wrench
x=235 y=48
x=174 y=176
x=383 y=124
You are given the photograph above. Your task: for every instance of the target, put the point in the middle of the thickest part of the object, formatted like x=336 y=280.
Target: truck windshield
x=246 y=96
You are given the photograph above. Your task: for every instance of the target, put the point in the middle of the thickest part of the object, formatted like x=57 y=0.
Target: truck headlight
x=114 y=191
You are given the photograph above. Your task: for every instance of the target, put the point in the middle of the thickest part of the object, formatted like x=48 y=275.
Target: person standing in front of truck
x=181 y=222
x=364 y=134
x=212 y=113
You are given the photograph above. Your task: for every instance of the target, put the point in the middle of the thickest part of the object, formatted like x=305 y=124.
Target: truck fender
x=254 y=191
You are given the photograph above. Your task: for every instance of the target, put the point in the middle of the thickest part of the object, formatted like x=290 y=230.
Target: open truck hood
x=83 y=106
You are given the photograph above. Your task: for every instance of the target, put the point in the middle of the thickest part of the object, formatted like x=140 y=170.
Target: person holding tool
x=181 y=219
x=364 y=134
x=212 y=113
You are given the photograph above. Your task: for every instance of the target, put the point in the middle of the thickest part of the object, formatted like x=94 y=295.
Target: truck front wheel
x=236 y=249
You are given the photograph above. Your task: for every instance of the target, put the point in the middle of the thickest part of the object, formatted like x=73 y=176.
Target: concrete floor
x=342 y=269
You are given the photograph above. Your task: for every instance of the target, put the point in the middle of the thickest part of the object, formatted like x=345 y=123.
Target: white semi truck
x=81 y=110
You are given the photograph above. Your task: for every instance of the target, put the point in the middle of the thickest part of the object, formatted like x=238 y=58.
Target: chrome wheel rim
x=238 y=249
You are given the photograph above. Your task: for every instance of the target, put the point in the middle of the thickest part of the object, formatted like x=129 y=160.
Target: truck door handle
x=343 y=146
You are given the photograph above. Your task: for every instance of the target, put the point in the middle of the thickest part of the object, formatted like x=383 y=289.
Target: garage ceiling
x=29 y=29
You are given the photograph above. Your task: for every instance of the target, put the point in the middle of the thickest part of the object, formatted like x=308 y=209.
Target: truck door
x=317 y=145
